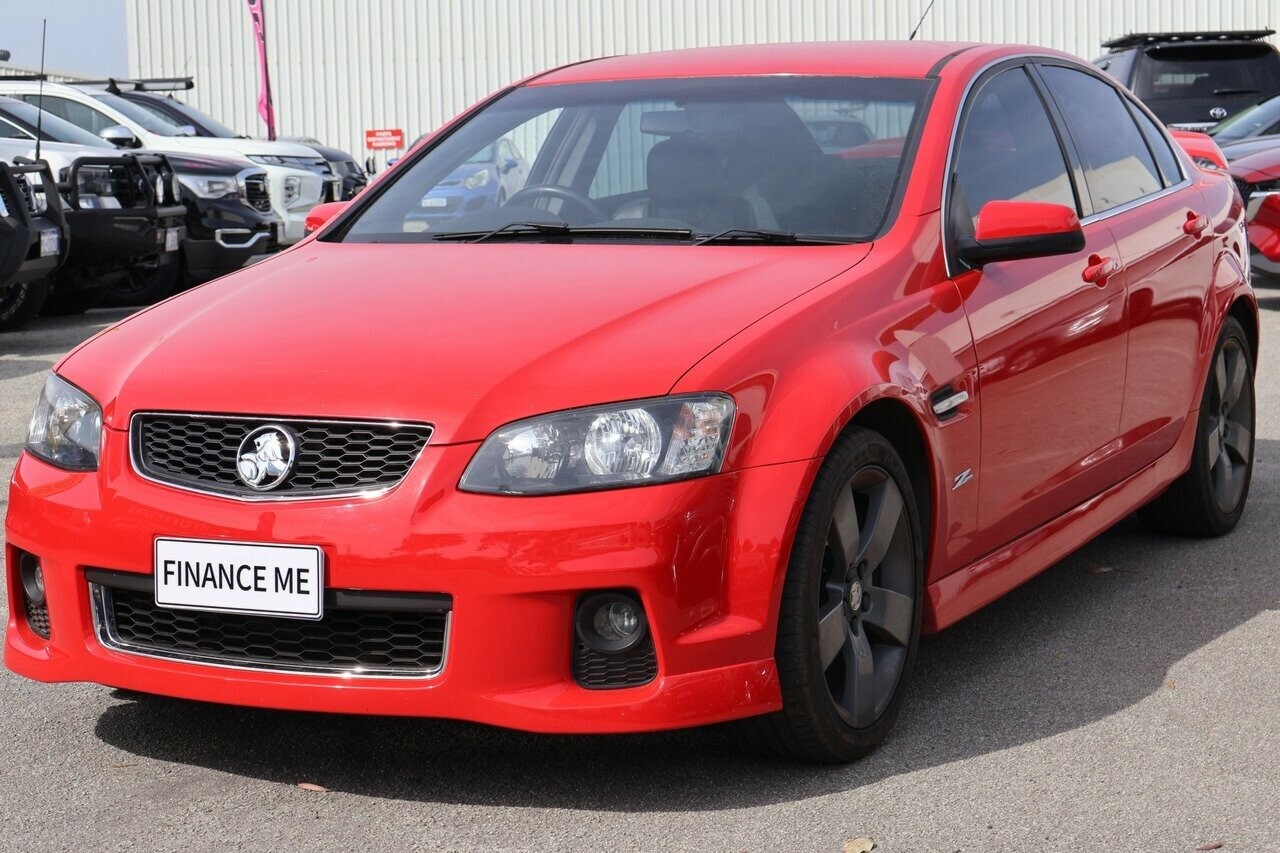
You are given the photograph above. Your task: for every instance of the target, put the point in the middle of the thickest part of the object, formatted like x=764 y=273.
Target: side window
x=1159 y=145
x=10 y=131
x=1008 y=151
x=1118 y=167
x=76 y=113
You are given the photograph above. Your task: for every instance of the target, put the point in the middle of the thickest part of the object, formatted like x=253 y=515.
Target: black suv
x=1192 y=81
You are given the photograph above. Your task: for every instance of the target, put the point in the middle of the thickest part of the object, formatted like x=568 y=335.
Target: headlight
x=1204 y=162
x=267 y=159
x=292 y=189
x=221 y=186
x=478 y=180
x=625 y=444
x=66 y=427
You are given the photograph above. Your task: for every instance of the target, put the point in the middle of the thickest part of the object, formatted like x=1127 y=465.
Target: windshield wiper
x=761 y=235
x=541 y=228
x=1236 y=91
x=564 y=229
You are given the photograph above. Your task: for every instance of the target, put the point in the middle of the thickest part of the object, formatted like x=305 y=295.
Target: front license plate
x=171 y=239
x=430 y=201
x=230 y=577
x=50 y=242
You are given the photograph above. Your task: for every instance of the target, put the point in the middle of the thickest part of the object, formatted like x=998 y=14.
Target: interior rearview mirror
x=1010 y=230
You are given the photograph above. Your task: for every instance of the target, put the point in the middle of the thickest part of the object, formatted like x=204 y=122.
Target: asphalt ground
x=1126 y=699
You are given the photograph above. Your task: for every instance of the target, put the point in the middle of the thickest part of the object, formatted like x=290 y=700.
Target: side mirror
x=120 y=136
x=509 y=164
x=1011 y=230
x=319 y=216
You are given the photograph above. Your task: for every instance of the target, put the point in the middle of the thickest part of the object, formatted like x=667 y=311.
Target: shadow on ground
x=1069 y=648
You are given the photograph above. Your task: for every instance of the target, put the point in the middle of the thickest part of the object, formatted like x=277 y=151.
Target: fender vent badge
x=963 y=477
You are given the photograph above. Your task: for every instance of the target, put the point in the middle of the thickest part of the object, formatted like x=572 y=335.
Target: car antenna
x=44 y=35
x=924 y=15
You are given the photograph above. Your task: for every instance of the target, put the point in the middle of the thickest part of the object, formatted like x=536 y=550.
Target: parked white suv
x=295 y=184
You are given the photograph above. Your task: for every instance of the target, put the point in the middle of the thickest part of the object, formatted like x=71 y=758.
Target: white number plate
x=50 y=242
x=230 y=577
x=435 y=201
x=171 y=239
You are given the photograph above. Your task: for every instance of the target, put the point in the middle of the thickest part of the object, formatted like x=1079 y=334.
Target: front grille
x=334 y=458
x=384 y=635
x=37 y=617
x=257 y=194
x=628 y=669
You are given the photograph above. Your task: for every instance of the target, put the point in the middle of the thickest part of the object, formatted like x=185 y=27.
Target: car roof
x=845 y=58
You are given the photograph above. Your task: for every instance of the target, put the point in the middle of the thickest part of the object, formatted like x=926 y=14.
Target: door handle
x=1195 y=224
x=1100 y=269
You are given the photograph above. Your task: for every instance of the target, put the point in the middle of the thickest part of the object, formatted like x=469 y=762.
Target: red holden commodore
x=707 y=420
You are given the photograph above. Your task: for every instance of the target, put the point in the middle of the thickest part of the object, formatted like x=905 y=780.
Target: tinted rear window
x=1169 y=73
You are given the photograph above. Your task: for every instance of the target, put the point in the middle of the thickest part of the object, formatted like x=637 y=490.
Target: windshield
x=1258 y=120
x=203 y=121
x=1206 y=72
x=817 y=157
x=144 y=117
x=52 y=129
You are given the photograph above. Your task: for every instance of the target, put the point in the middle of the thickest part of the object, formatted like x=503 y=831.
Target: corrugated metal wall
x=341 y=66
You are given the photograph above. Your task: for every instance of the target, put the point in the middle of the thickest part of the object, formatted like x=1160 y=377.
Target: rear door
x=1161 y=227
x=1050 y=344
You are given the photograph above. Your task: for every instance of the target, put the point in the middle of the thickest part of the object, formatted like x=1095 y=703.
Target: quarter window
x=1008 y=151
x=1118 y=167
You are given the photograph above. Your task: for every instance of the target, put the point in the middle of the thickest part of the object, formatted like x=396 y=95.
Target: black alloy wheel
x=1210 y=497
x=849 y=621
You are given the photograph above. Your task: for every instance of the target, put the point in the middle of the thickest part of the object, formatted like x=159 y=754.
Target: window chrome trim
x=133 y=438
x=1136 y=203
x=103 y=630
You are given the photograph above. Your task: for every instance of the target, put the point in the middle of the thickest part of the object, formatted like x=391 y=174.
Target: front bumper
x=224 y=234
x=704 y=556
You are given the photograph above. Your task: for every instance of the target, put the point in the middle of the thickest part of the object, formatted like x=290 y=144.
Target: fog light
x=32 y=578
x=610 y=622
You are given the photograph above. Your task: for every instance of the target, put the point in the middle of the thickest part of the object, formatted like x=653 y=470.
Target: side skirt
x=966 y=590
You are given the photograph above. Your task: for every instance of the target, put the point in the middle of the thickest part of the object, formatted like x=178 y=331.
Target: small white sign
x=231 y=577
x=435 y=201
x=50 y=242
x=171 y=239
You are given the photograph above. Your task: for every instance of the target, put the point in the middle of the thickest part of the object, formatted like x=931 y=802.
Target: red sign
x=386 y=139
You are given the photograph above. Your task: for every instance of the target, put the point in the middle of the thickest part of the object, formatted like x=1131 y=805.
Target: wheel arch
x=901 y=427
x=1245 y=311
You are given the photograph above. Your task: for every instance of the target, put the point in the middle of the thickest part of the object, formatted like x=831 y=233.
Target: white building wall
x=341 y=66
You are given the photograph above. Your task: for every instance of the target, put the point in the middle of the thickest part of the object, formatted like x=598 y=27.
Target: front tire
x=1209 y=498
x=849 y=622
x=20 y=303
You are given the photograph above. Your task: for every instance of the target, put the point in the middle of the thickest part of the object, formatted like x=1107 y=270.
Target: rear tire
x=849 y=621
x=20 y=303
x=1210 y=497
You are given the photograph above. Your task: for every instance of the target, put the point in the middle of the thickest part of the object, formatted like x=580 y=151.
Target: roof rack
x=142 y=84
x=1139 y=39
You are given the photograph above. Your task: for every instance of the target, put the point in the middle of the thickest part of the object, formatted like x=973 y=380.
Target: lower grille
x=383 y=635
x=37 y=617
x=629 y=669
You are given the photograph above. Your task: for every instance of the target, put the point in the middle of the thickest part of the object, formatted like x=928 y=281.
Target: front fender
x=802 y=375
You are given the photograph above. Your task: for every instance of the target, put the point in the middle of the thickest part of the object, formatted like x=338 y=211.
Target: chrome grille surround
x=335 y=458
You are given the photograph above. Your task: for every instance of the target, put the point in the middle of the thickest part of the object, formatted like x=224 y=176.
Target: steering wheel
x=527 y=195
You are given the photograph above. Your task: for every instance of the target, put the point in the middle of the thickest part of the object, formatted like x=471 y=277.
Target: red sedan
x=703 y=423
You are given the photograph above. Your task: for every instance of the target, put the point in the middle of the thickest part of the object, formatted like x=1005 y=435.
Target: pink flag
x=265 y=109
